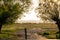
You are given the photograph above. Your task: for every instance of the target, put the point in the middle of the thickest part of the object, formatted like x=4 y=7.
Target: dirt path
x=31 y=35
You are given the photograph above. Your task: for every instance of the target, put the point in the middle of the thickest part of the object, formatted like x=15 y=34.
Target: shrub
x=45 y=33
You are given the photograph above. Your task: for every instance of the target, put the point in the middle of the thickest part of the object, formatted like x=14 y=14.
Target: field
x=45 y=29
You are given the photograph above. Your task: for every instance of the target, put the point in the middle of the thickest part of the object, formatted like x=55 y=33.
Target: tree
x=49 y=10
x=10 y=10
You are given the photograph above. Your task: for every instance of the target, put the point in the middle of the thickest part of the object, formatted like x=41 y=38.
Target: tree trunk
x=58 y=24
x=0 y=27
x=58 y=27
x=58 y=33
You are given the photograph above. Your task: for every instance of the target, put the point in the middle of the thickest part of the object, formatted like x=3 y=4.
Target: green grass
x=6 y=36
x=8 y=30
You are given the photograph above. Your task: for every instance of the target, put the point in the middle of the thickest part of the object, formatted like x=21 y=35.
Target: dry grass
x=15 y=27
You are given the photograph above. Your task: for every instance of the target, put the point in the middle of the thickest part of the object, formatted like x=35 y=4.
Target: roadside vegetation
x=8 y=31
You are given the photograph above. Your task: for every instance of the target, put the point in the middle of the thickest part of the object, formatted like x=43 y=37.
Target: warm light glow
x=31 y=15
x=55 y=0
x=58 y=2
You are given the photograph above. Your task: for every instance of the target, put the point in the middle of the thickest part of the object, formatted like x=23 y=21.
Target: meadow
x=9 y=30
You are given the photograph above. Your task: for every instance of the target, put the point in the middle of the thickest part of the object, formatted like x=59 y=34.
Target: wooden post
x=25 y=34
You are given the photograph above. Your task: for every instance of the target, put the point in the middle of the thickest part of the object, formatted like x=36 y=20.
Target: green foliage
x=58 y=35
x=45 y=33
x=9 y=12
x=6 y=36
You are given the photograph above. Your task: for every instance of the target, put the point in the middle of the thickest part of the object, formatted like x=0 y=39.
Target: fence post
x=25 y=34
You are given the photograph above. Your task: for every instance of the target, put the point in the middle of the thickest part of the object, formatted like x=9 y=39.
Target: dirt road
x=31 y=35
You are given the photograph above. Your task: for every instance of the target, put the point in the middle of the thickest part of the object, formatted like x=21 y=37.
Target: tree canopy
x=10 y=10
x=49 y=10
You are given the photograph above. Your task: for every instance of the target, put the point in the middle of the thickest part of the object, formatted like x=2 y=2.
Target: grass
x=49 y=35
x=8 y=30
x=7 y=35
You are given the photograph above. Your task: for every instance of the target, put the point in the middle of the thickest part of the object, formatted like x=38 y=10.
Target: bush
x=45 y=33
x=58 y=35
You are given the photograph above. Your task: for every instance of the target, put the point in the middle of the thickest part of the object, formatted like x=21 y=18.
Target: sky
x=31 y=15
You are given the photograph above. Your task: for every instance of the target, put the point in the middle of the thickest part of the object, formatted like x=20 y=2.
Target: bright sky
x=31 y=14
